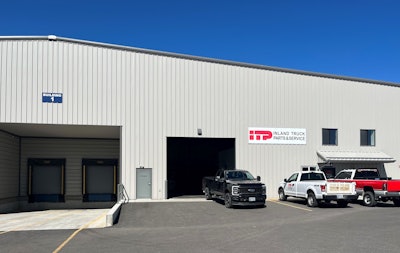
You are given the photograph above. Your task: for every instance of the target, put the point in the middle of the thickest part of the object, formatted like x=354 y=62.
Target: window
x=329 y=136
x=367 y=174
x=367 y=137
x=344 y=175
x=293 y=177
x=312 y=176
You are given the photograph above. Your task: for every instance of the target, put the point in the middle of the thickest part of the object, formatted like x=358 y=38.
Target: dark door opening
x=191 y=159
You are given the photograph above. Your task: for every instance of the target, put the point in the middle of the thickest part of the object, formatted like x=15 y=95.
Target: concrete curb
x=112 y=214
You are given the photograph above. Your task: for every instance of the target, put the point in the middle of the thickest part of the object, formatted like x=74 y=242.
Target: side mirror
x=285 y=180
x=258 y=178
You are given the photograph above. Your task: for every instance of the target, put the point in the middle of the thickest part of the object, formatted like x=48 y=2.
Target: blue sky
x=357 y=38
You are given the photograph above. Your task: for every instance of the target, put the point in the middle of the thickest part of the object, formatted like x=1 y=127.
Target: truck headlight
x=235 y=190
x=264 y=190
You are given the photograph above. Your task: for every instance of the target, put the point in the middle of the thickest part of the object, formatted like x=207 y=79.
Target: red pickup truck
x=371 y=186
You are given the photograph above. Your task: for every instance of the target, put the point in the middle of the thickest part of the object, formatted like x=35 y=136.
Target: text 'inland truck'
x=235 y=187
x=313 y=186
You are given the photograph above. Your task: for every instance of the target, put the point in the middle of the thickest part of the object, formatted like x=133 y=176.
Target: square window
x=329 y=136
x=367 y=137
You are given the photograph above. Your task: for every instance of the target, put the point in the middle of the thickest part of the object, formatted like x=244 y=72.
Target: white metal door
x=143 y=183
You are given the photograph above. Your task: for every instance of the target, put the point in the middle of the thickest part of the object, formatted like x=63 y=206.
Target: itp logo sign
x=258 y=135
x=296 y=136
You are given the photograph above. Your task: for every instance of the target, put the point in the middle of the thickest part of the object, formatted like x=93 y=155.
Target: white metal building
x=77 y=118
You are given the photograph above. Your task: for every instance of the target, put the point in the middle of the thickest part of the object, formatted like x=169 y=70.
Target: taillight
x=384 y=186
x=323 y=187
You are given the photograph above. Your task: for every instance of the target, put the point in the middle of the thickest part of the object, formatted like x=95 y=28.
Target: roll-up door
x=99 y=179
x=46 y=180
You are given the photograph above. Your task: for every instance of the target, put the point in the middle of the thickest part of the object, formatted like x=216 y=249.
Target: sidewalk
x=53 y=219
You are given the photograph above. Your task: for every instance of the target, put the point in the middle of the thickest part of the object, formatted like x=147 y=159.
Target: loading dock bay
x=207 y=226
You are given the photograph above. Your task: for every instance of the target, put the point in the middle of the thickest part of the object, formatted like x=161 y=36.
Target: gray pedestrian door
x=143 y=183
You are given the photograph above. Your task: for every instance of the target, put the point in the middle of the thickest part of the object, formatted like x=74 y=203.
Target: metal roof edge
x=200 y=58
x=337 y=158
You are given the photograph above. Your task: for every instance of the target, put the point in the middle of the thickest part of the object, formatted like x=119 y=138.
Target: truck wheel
x=396 y=202
x=228 y=200
x=207 y=193
x=311 y=200
x=342 y=203
x=282 y=195
x=369 y=199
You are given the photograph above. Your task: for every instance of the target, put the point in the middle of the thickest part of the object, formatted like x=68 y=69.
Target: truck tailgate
x=340 y=188
x=393 y=185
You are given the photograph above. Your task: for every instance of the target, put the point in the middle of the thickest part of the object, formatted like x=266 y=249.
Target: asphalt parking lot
x=207 y=226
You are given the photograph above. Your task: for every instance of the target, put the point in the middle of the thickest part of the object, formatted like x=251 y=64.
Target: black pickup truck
x=235 y=187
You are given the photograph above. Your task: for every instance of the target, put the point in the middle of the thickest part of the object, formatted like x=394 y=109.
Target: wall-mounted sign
x=49 y=97
x=261 y=135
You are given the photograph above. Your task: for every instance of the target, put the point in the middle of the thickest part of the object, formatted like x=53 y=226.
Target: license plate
x=252 y=199
x=340 y=196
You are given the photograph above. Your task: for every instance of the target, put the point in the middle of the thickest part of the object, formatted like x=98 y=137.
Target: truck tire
x=342 y=203
x=311 y=200
x=207 y=194
x=282 y=196
x=396 y=202
x=228 y=200
x=369 y=199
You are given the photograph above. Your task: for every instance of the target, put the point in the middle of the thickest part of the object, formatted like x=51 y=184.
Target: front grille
x=250 y=189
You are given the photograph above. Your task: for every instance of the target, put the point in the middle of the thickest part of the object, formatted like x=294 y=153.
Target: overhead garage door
x=46 y=180
x=99 y=179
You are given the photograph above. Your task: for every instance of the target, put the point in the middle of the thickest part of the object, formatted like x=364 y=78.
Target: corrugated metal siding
x=73 y=150
x=157 y=96
x=9 y=164
x=88 y=77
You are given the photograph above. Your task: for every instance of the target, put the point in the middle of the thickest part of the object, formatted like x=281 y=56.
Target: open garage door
x=191 y=159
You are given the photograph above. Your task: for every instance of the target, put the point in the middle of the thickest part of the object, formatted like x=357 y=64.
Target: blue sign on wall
x=48 y=97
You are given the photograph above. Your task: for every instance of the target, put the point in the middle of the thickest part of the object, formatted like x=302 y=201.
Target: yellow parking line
x=62 y=245
x=281 y=203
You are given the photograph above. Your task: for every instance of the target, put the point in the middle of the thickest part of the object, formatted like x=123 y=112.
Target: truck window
x=312 y=176
x=248 y=175
x=293 y=177
x=366 y=174
x=235 y=175
x=343 y=175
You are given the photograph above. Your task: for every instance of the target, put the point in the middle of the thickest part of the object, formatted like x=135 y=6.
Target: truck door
x=290 y=186
x=302 y=185
x=219 y=182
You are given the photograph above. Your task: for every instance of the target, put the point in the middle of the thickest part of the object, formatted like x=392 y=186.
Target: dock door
x=99 y=180
x=46 y=180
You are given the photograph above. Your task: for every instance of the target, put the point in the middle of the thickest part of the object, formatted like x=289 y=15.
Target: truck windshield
x=239 y=175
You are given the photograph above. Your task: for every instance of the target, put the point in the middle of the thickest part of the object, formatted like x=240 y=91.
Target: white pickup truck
x=313 y=186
